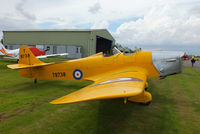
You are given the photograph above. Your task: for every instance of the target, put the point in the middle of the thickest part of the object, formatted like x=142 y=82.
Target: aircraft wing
x=39 y=57
x=51 y=55
x=10 y=57
x=119 y=85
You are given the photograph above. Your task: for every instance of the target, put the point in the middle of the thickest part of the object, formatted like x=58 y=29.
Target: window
x=54 y=49
x=78 y=50
x=11 y=47
x=41 y=47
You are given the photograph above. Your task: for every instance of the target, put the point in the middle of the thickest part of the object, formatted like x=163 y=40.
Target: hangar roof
x=55 y=30
x=59 y=30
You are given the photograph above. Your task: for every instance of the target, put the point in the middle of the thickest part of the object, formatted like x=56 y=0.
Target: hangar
x=77 y=42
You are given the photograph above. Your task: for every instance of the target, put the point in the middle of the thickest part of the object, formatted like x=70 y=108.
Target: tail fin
x=27 y=60
x=27 y=57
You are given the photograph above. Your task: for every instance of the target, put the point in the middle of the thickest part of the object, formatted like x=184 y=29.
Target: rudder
x=27 y=57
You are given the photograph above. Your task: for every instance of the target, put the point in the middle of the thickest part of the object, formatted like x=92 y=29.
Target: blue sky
x=169 y=24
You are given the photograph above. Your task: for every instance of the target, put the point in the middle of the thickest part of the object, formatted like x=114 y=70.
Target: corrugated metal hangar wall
x=77 y=42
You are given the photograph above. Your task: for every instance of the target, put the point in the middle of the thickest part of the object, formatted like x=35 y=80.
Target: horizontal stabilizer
x=27 y=60
x=23 y=66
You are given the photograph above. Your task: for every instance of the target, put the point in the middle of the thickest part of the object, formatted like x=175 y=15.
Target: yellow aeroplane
x=116 y=76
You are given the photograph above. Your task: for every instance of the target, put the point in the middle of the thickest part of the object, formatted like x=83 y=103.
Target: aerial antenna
x=136 y=49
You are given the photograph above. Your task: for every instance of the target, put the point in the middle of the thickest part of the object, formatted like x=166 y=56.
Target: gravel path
x=196 y=64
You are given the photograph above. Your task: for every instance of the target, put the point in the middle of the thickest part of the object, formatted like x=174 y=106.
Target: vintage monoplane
x=14 y=54
x=116 y=76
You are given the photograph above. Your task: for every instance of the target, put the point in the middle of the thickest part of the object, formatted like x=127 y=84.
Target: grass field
x=25 y=108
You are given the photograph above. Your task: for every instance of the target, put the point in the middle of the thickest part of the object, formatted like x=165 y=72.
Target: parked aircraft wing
x=12 y=57
x=51 y=55
x=120 y=85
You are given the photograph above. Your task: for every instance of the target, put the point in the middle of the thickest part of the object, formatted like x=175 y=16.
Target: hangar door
x=103 y=44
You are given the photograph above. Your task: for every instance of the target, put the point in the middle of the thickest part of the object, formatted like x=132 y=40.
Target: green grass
x=25 y=108
x=5 y=62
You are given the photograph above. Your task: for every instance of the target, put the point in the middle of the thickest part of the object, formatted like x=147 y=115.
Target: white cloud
x=161 y=26
x=75 y=12
x=19 y=7
x=161 y=21
x=196 y=10
x=95 y=8
x=100 y=25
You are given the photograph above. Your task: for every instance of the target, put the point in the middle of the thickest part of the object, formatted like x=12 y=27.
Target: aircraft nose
x=167 y=62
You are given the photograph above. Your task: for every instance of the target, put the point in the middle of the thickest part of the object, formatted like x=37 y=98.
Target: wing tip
x=58 y=101
x=53 y=102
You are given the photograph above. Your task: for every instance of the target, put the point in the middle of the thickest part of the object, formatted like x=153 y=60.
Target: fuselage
x=93 y=67
x=6 y=52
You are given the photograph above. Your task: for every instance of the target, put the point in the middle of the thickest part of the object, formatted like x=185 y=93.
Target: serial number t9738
x=58 y=74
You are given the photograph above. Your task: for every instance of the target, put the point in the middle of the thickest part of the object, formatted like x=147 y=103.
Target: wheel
x=35 y=81
x=146 y=104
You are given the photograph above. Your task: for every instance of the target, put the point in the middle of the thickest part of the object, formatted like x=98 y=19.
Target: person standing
x=193 y=61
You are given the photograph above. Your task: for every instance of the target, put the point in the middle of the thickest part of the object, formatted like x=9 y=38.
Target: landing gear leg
x=146 y=86
x=35 y=81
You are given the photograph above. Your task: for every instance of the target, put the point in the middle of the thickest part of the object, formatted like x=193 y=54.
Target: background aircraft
x=116 y=76
x=14 y=54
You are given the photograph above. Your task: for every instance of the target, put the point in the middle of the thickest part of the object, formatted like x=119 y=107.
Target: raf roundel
x=77 y=74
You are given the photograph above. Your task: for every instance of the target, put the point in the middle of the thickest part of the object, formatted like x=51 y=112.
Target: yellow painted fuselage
x=116 y=76
x=93 y=67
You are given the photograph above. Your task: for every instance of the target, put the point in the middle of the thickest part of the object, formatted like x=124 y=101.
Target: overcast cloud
x=161 y=25
x=20 y=8
x=142 y=22
x=95 y=8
